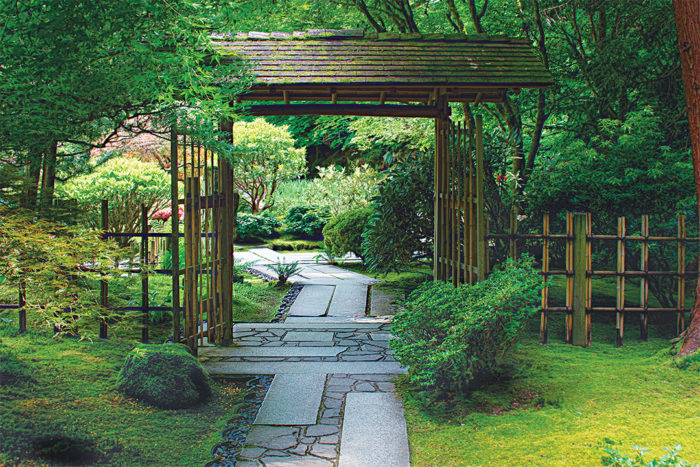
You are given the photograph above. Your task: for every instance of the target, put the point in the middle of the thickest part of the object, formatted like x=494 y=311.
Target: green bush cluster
x=450 y=337
x=255 y=227
x=294 y=245
x=306 y=222
x=343 y=234
x=615 y=458
x=165 y=376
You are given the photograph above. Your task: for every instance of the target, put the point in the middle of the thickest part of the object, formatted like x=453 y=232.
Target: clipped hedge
x=255 y=227
x=165 y=376
x=343 y=234
x=306 y=221
x=450 y=337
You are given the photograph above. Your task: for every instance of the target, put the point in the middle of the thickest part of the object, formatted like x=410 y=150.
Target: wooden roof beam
x=358 y=110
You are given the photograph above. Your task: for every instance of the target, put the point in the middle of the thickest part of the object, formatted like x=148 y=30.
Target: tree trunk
x=687 y=14
x=48 y=180
x=31 y=181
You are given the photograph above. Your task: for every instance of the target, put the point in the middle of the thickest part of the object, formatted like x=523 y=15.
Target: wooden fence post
x=680 y=318
x=144 y=274
x=620 y=321
x=544 y=319
x=22 y=312
x=175 y=232
x=644 y=286
x=481 y=246
x=104 y=287
x=580 y=321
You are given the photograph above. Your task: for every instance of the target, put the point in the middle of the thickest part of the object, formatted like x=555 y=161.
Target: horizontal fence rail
x=579 y=273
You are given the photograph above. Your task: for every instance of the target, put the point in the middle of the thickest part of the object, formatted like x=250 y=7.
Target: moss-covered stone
x=165 y=376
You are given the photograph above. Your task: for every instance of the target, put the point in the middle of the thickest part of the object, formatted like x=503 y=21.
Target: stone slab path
x=332 y=401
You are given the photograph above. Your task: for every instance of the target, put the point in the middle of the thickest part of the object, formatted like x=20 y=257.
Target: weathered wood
x=569 y=278
x=580 y=262
x=680 y=315
x=21 y=303
x=226 y=235
x=544 y=319
x=620 y=317
x=644 y=285
x=481 y=245
x=366 y=110
x=144 y=275
x=175 y=231
x=104 y=287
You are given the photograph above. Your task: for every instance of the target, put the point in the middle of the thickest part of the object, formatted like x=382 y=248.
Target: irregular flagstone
x=313 y=300
x=271 y=351
x=374 y=431
x=293 y=399
x=349 y=300
x=273 y=368
x=326 y=321
x=272 y=437
x=306 y=461
x=367 y=325
x=308 y=336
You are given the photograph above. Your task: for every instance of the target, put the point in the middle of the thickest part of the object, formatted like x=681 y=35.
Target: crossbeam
x=357 y=110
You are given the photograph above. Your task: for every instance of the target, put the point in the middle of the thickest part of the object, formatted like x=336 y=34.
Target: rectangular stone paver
x=367 y=324
x=308 y=336
x=291 y=368
x=270 y=351
x=293 y=399
x=313 y=300
x=374 y=431
x=349 y=300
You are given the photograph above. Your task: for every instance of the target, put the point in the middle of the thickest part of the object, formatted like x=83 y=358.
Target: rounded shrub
x=165 y=376
x=450 y=337
x=306 y=222
x=343 y=234
x=255 y=227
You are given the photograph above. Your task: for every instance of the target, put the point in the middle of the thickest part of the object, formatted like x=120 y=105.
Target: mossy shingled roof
x=353 y=57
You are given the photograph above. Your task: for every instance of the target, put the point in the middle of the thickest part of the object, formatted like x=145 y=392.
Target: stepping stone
x=313 y=300
x=349 y=300
x=293 y=400
x=374 y=431
x=292 y=368
x=272 y=437
x=271 y=351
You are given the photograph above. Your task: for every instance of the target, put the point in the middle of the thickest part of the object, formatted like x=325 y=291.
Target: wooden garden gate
x=460 y=223
x=206 y=181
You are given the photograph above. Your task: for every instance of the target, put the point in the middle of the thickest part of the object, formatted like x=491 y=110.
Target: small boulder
x=165 y=376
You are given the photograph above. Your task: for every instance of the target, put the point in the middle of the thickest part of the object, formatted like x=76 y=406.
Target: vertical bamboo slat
x=680 y=315
x=175 y=231
x=104 y=290
x=544 y=319
x=569 y=277
x=620 y=321
x=513 y=242
x=144 y=275
x=481 y=246
x=21 y=303
x=589 y=278
x=580 y=268
x=644 y=286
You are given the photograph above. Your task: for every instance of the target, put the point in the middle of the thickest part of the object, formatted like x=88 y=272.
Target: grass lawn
x=66 y=390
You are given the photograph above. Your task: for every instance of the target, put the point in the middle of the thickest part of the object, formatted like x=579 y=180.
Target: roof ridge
x=341 y=34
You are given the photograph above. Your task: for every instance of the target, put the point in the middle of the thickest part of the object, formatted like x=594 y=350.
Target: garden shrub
x=306 y=222
x=294 y=245
x=615 y=458
x=255 y=227
x=343 y=234
x=165 y=376
x=449 y=337
x=339 y=190
x=402 y=221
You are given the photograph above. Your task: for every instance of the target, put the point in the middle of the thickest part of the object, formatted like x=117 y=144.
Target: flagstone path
x=332 y=400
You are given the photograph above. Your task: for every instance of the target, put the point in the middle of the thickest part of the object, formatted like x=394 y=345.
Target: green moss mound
x=165 y=376
x=12 y=369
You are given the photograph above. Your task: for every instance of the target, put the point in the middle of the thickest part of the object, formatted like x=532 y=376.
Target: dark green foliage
x=343 y=234
x=449 y=337
x=295 y=245
x=255 y=227
x=166 y=376
x=306 y=222
x=12 y=369
x=615 y=458
x=402 y=223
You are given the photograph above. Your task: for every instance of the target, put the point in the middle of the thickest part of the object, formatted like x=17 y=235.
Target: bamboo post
x=544 y=319
x=680 y=318
x=589 y=277
x=512 y=241
x=620 y=315
x=481 y=246
x=644 y=287
x=436 y=202
x=175 y=232
x=104 y=287
x=580 y=262
x=226 y=235
x=21 y=303
x=569 y=277
x=144 y=274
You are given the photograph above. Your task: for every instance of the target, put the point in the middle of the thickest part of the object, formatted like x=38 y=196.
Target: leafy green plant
x=126 y=184
x=402 y=219
x=285 y=270
x=451 y=336
x=339 y=190
x=306 y=222
x=614 y=458
x=326 y=256
x=343 y=233
x=262 y=155
x=255 y=227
